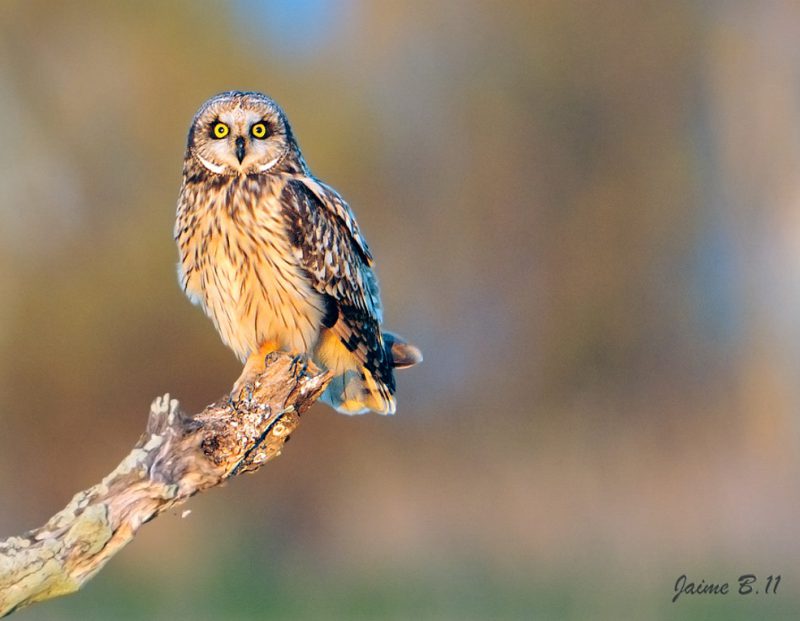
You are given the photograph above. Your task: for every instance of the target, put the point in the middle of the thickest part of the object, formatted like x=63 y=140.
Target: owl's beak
x=240 y=148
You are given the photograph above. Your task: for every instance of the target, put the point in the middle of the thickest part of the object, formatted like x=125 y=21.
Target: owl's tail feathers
x=356 y=392
x=403 y=353
x=355 y=389
x=360 y=391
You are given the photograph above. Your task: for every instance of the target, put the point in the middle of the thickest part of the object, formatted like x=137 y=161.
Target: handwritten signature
x=747 y=584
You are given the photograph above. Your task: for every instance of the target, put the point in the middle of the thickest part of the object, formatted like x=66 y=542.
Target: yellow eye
x=220 y=130
x=259 y=130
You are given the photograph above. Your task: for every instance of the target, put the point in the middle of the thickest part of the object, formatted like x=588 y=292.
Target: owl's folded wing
x=328 y=244
x=336 y=205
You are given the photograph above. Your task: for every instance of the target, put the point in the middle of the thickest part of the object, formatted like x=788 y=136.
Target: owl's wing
x=337 y=206
x=328 y=244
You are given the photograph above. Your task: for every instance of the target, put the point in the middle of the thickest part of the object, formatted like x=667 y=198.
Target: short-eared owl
x=275 y=256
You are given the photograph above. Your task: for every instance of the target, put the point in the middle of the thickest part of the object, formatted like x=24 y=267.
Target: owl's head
x=243 y=133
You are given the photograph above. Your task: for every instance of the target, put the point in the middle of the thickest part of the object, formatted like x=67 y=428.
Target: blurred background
x=586 y=214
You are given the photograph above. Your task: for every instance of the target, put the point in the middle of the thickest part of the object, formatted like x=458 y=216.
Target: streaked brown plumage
x=276 y=258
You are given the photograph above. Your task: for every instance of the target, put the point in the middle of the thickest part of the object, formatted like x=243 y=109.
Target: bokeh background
x=587 y=214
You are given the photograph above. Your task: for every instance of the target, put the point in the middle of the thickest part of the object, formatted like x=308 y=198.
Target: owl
x=275 y=256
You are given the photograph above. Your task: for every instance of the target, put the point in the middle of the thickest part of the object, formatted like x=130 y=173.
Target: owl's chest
x=243 y=270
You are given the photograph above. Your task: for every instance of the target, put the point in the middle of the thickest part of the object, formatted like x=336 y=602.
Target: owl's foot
x=253 y=367
x=241 y=392
x=244 y=387
x=299 y=364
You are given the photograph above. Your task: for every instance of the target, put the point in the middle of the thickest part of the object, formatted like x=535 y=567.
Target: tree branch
x=176 y=457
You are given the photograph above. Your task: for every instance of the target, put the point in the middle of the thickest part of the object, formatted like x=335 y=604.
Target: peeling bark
x=177 y=457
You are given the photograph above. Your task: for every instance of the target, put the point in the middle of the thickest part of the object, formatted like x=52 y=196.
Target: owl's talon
x=299 y=365
x=242 y=392
x=270 y=358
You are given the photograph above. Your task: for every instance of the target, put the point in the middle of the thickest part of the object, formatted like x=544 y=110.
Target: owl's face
x=241 y=133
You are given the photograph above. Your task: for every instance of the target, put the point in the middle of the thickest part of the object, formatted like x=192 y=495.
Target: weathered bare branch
x=175 y=458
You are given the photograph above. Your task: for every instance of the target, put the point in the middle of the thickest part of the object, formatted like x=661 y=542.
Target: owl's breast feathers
x=237 y=261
